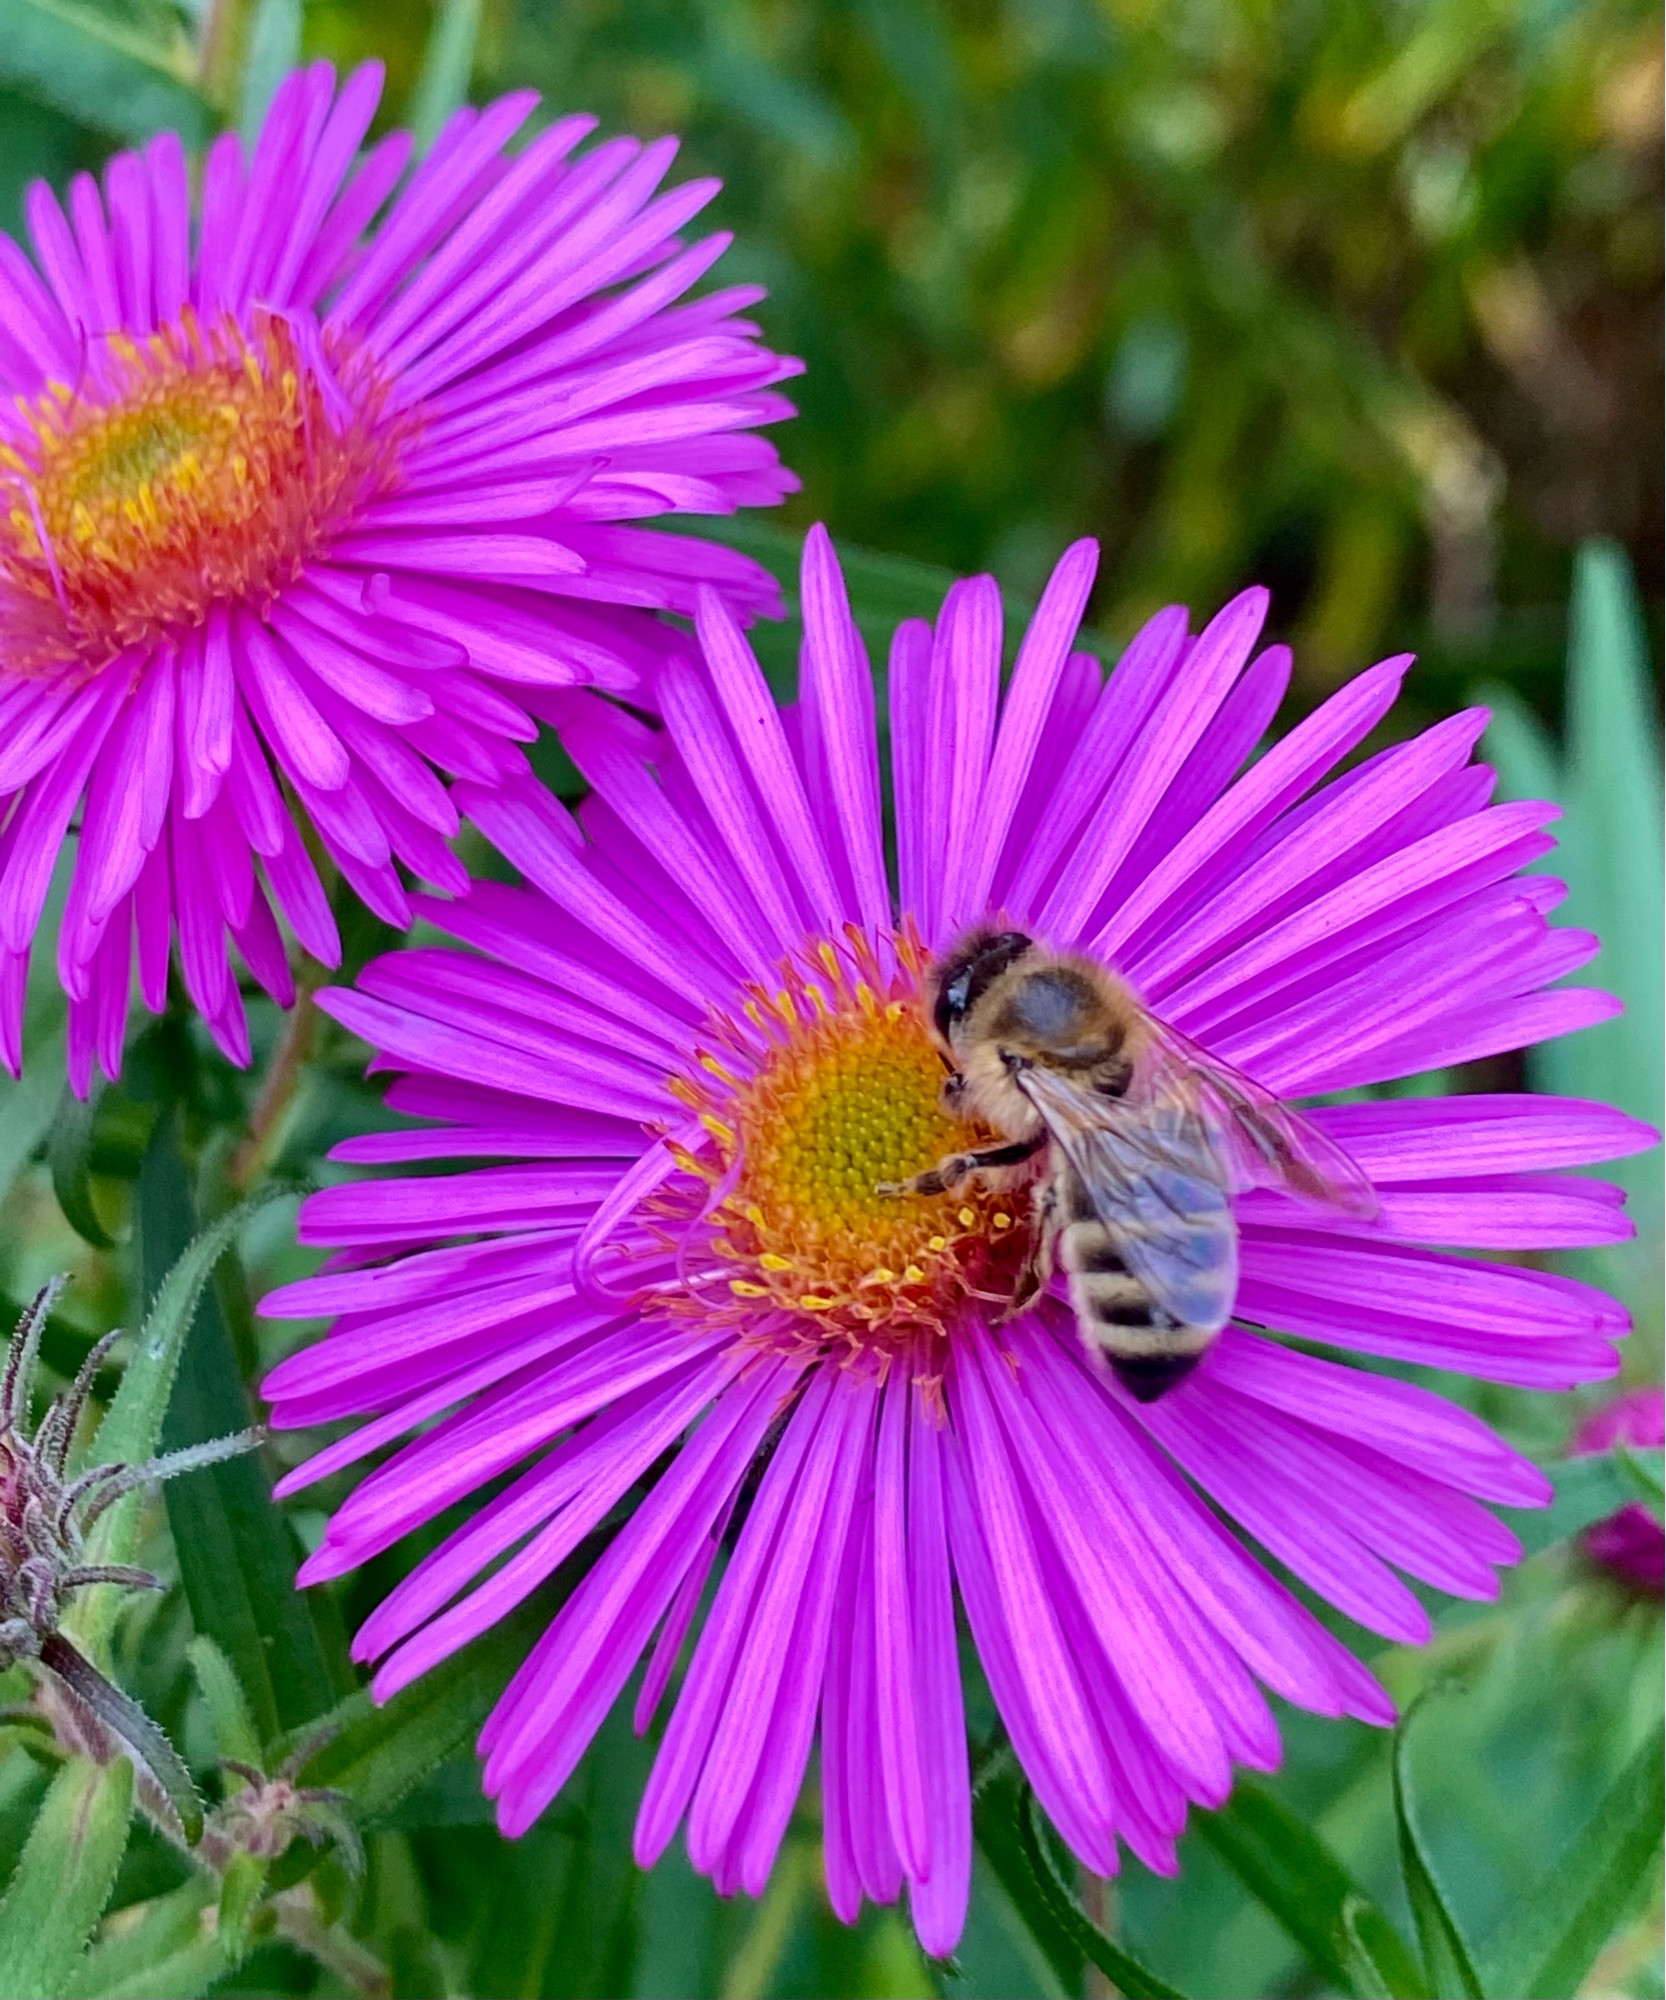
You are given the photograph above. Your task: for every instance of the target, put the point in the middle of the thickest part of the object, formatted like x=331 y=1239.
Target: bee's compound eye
x=969 y=975
x=952 y=1001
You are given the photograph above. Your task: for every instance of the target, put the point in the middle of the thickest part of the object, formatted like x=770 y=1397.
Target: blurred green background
x=1359 y=297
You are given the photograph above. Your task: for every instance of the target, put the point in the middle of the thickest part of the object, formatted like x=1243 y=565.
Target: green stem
x=277 y=1093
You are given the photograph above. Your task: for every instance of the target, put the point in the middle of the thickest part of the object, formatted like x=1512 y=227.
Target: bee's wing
x=1158 y=1185
x=1265 y=1142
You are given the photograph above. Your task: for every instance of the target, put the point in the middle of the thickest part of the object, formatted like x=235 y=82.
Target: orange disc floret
x=201 y=465
x=847 y=1097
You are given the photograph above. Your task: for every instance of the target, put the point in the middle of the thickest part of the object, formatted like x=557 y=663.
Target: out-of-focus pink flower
x=1630 y=1543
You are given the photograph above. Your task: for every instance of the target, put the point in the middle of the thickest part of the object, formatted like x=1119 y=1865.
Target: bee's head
x=961 y=979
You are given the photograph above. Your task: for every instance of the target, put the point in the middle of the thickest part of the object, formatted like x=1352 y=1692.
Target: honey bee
x=1147 y=1140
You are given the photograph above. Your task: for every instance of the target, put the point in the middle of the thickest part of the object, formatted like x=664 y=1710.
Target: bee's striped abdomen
x=1148 y=1350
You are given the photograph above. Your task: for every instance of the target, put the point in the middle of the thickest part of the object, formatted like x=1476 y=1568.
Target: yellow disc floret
x=847 y=1097
x=202 y=465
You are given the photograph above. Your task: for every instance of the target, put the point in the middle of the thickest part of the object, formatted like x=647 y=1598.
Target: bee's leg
x=950 y=1171
x=1038 y=1265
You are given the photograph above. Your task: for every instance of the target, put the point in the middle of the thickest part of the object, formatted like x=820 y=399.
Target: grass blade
x=99 y=72
x=27 y=1106
x=1614 y=786
x=447 y=68
x=1552 y=1939
x=69 y=1156
x=1294 y=1875
x=1446 y=1952
x=1006 y=1819
x=274 y=50
x=237 y=1556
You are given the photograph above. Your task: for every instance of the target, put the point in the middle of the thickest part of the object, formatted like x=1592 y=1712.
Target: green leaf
x=1552 y=1938
x=158 y=1951
x=1295 y=1876
x=378 y=1755
x=99 y=72
x=1358 y=1952
x=240 y=1890
x=560 y=1909
x=1446 y=1952
x=1525 y=756
x=1005 y=1816
x=447 y=67
x=1643 y=1470
x=228 y=1712
x=1614 y=791
x=1588 y=1490
x=28 y=1106
x=274 y=50
x=237 y=1554
x=65 y=1877
x=70 y=1158
x=132 y=1427
x=118 y=1711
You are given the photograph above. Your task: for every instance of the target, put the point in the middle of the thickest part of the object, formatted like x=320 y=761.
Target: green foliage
x=447 y=66
x=64 y=1877
x=1608 y=783
x=27 y=1107
x=1588 y=1490
x=1014 y=1840
x=1284 y=1863
x=70 y=1156
x=1559 y=1928
x=163 y=1951
x=1446 y=1954
x=123 y=77
x=1609 y=843
x=1356 y=296
x=236 y=1552
x=1232 y=286
x=228 y=1712
x=378 y=1755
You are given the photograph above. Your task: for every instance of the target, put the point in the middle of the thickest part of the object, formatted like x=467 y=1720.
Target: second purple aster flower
x=307 y=504
x=671 y=1071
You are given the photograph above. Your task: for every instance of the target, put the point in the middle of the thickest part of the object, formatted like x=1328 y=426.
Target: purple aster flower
x=302 y=512
x=1630 y=1543
x=714 y=953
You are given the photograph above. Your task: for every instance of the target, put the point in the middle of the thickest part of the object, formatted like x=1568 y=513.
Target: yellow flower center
x=847 y=1096
x=204 y=466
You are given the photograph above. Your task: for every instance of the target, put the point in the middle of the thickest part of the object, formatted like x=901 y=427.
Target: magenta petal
x=1042 y=658
x=576 y=1294
x=517 y=378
